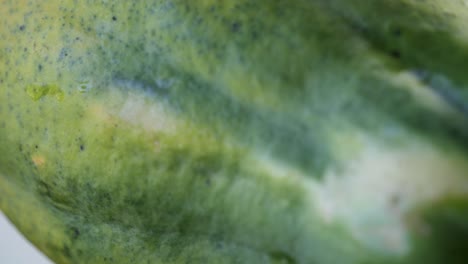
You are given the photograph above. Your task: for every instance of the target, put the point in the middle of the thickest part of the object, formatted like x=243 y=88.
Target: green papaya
x=214 y=131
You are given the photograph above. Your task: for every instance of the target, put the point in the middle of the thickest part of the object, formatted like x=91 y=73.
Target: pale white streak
x=373 y=193
x=135 y=104
x=420 y=91
x=455 y=14
x=149 y=115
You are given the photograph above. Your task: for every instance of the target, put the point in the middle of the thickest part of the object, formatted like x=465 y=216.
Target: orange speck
x=38 y=160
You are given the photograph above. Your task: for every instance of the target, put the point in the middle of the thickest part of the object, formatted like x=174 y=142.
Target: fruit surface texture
x=246 y=131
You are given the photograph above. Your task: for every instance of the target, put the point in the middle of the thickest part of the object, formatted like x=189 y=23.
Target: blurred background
x=15 y=249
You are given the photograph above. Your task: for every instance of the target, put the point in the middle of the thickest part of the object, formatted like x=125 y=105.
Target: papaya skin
x=236 y=131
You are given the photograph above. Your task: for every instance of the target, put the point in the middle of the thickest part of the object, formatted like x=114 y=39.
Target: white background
x=15 y=249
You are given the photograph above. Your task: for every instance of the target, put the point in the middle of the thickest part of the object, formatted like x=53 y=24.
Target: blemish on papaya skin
x=396 y=32
x=37 y=92
x=236 y=26
x=75 y=232
x=38 y=160
x=395 y=54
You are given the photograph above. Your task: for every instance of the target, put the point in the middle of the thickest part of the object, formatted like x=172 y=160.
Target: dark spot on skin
x=22 y=27
x=282 y=257
x=43 y=188
x=235 y=27
x=66 y=251
x=114 y=18
x=36 y=146
x=75 y=232
x=39 y=67
x=395 y=54
x=254 y=35
x=82 y=147
x=396 y=32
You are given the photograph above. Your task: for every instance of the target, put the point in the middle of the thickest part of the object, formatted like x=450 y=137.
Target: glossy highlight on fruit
x=215 y=131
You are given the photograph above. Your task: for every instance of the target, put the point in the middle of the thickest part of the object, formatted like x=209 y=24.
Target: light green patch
x=36 y=92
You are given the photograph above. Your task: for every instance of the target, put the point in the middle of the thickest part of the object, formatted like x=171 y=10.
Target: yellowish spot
x=38 y=160
x=98 y=111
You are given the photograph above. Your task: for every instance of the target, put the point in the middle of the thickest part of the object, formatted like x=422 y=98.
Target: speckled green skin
x=202 y=131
